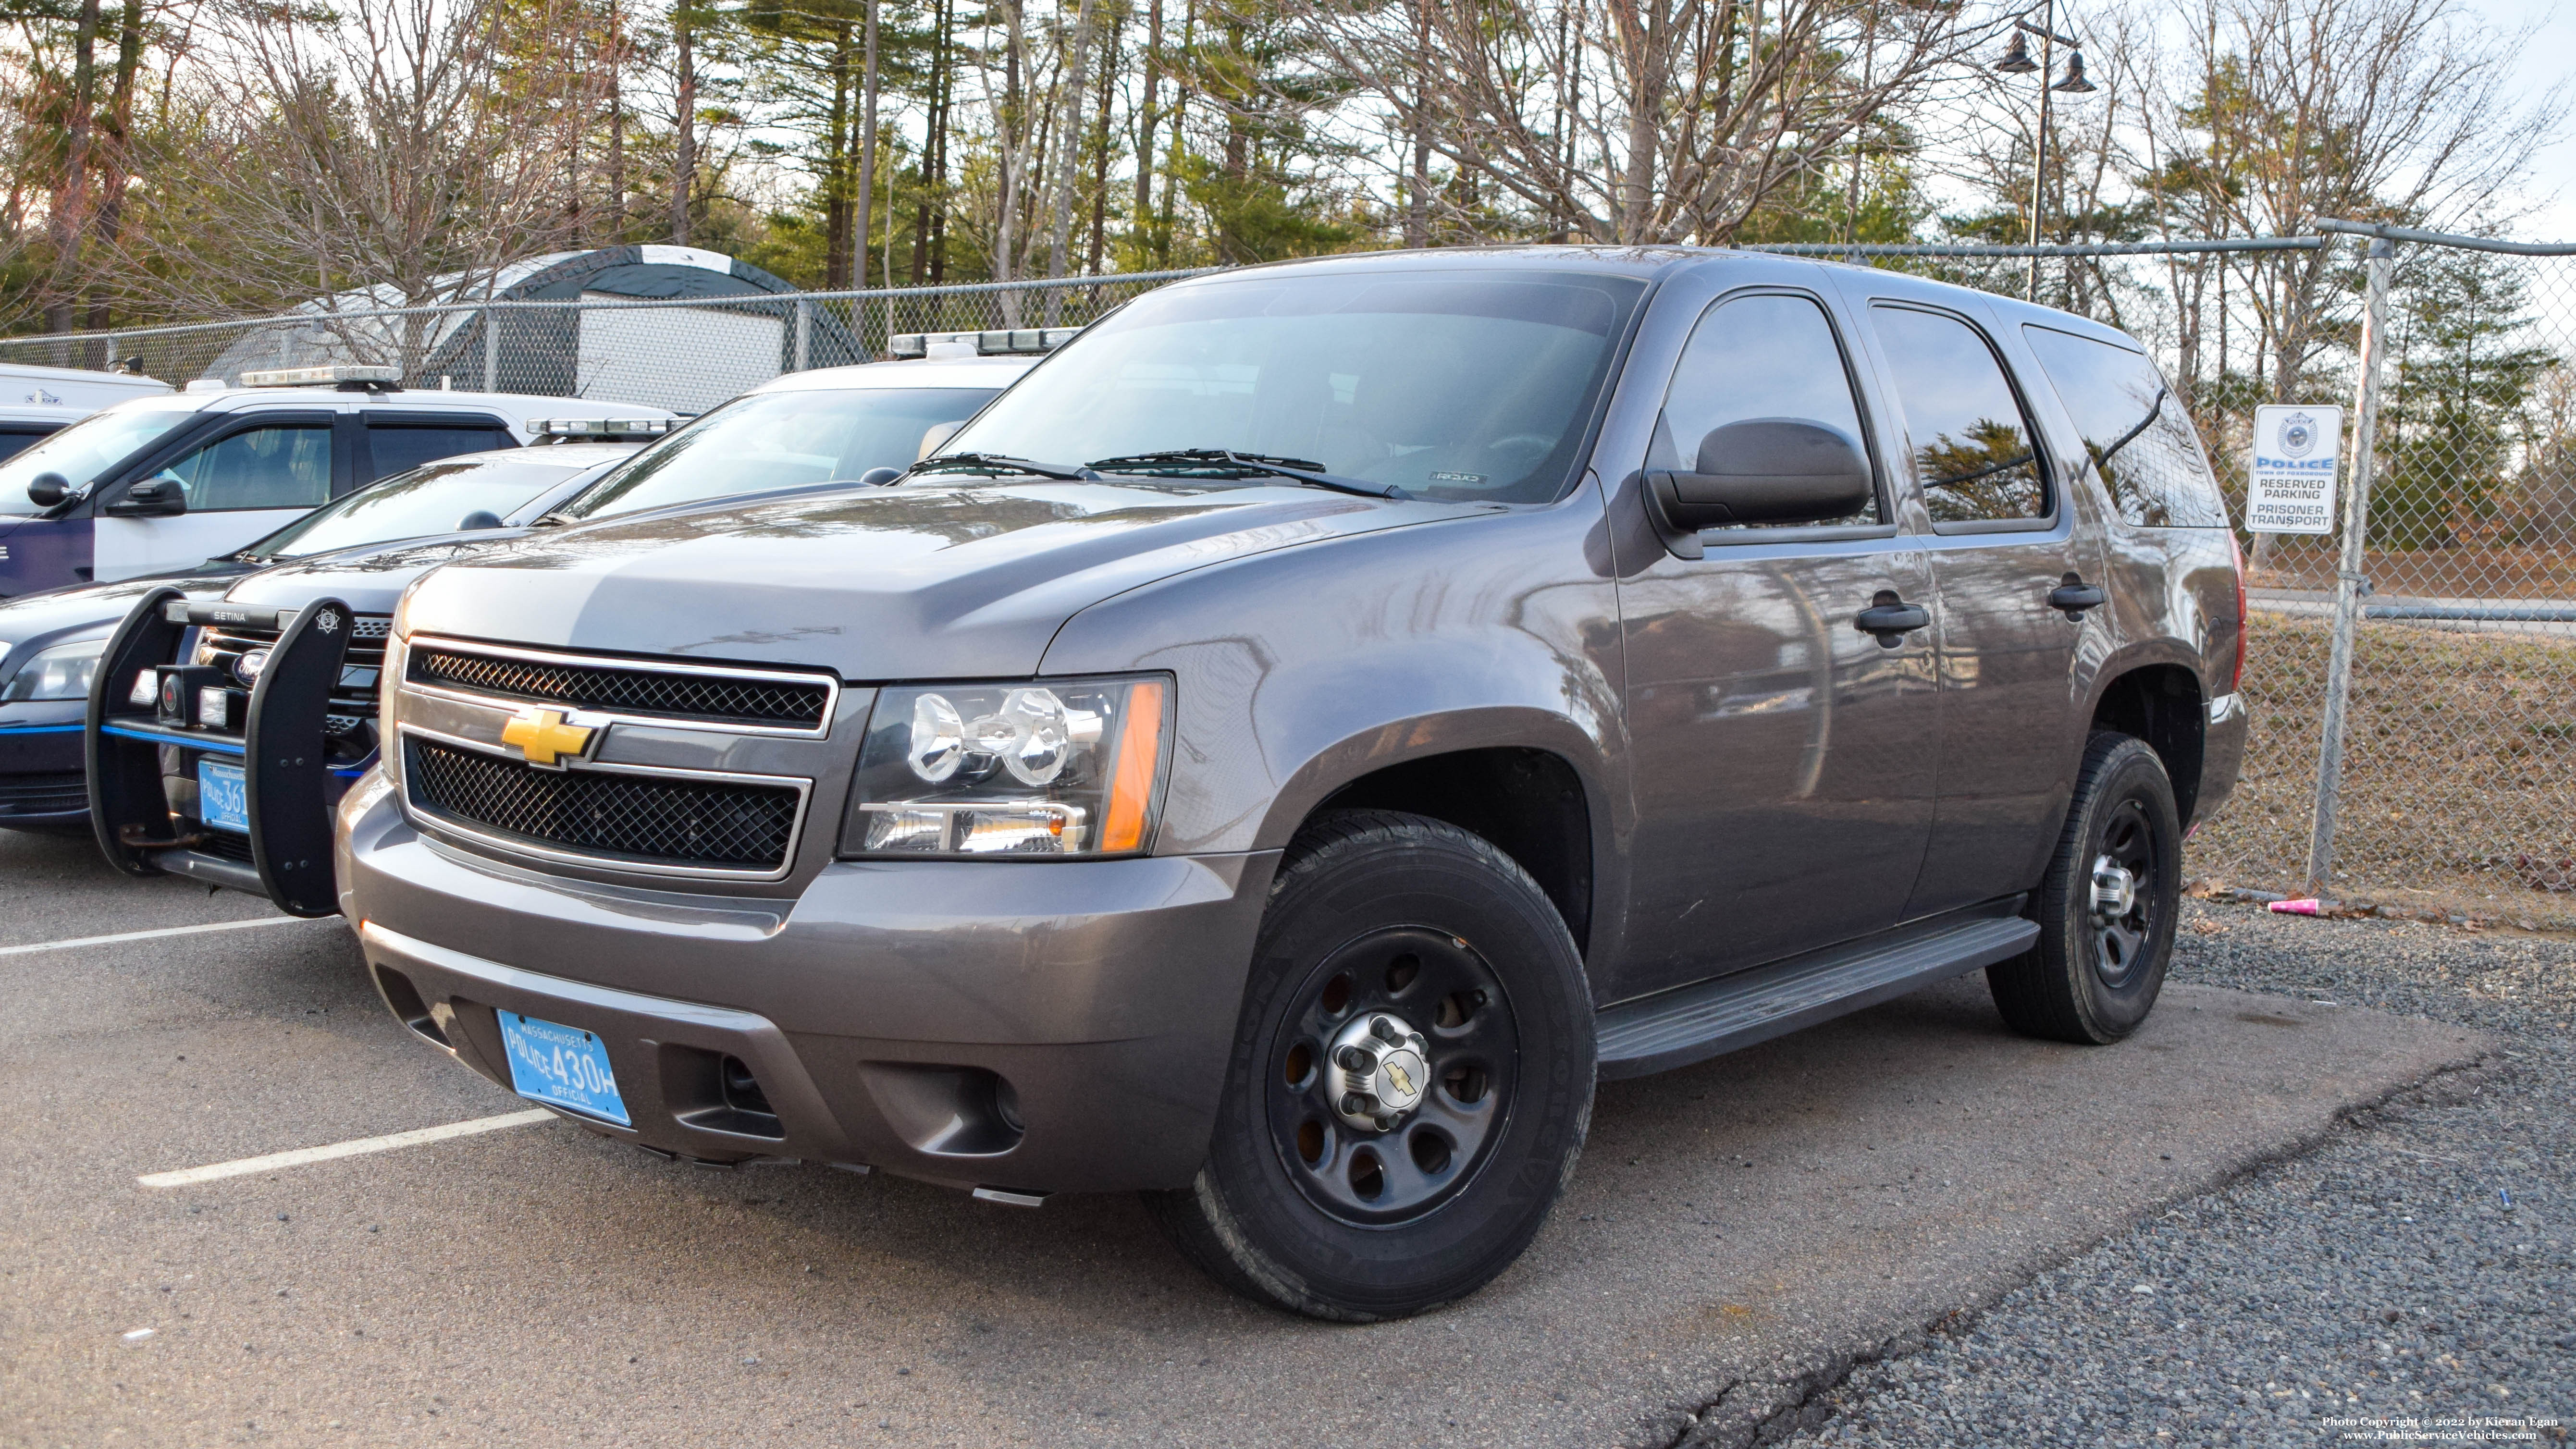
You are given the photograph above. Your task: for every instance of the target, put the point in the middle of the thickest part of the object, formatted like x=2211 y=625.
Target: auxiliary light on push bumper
x=154 y=720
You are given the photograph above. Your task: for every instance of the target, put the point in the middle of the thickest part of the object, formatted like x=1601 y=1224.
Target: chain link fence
x=686 y=354
x=2456 y=790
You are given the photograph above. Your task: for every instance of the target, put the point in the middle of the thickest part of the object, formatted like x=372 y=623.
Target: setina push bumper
x=218 y=736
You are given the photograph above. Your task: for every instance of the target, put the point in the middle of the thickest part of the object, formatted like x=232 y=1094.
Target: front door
x=1783 y=760
x=2003 y=541
x=241 y=485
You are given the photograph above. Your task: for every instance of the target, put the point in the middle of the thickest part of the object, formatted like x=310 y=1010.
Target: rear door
x=2004 y=536
x=1783 y=761
x=250 y=475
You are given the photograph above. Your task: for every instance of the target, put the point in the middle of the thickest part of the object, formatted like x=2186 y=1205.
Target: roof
x=994 y=372
x=520 y=408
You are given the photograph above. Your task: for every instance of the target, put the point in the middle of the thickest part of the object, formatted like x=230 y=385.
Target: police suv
x=160 y=482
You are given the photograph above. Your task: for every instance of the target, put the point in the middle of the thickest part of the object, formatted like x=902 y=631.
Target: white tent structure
x=554 y=325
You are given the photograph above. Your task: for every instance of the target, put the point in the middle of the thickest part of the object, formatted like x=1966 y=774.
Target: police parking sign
x=2291 y=486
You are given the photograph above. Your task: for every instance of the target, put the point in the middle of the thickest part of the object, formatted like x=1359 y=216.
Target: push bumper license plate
x=561 y=1066
x=223 y=796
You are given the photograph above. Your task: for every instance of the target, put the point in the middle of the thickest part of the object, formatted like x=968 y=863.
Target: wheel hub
x=1381 y=1069
x=2115 y=888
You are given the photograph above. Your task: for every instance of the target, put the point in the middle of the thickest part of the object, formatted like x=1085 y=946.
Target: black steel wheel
x=2121 y=894
x=1410 y=1081
x=1430 y=985
x=2106 y=908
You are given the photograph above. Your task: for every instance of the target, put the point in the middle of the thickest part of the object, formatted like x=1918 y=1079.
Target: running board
x=1691 y=1023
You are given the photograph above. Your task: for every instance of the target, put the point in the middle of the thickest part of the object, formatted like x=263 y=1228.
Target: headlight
x=62 y=672
x=1045 y=767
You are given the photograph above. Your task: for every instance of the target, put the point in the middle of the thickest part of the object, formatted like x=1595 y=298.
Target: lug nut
x=1358 y=1062
x=1385 y=1030
x=1355 y=1105
x=1386 y=1123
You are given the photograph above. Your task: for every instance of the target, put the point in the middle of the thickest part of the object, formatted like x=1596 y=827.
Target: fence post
x=491 y=350
x=804 y=335
x=2349 y=583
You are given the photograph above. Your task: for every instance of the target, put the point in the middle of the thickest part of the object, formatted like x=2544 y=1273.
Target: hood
x=921 y=581
x=368 y=578
x=87 y=609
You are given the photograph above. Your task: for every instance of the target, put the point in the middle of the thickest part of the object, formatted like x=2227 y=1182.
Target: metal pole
x=491 y=350
x=2349 y=583
x=2039 y=151
x=804 y=334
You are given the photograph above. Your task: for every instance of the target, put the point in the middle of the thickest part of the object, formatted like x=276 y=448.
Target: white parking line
x=66 y=945
x=241 y=1167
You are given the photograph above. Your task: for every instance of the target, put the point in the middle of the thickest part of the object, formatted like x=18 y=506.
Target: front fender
x=1306 y=668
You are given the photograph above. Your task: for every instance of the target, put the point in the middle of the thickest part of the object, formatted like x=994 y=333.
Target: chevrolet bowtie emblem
x=545 y=738
x=1403 y=1080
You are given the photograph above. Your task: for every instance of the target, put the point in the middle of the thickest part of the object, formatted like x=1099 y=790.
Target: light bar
x=611 y=429
x=330 y=376
x=1022 y=341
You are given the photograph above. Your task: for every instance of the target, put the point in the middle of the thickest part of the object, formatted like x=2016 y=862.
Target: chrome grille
x=625 y=689
x=649 y=819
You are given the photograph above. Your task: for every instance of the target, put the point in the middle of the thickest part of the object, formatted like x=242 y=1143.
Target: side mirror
x=479 y=518
x=1765 y=470
x=879 y=476
x=160 y=496
x=939 y=433
x=47 y=489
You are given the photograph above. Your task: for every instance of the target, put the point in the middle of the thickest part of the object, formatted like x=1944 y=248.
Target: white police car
x=160 y=482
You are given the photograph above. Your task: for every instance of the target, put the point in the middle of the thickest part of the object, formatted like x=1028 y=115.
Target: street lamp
x=2017 y=61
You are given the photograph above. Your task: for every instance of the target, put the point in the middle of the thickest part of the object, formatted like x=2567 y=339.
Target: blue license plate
x=561 y=1066
x=223 y=796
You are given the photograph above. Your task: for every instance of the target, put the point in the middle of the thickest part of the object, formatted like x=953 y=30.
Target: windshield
x=84 y=450
x=430 y=499
x=778 y=440
x=1456 y=385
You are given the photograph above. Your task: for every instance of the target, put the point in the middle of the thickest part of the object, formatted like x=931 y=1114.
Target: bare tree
x=2395 y=110
x=1633 y=120
x=408 y=147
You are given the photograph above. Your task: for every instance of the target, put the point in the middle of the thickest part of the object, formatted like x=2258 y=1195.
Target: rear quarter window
x=2134 y=429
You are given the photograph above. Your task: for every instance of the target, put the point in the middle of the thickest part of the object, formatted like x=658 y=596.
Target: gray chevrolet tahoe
x=1288 y=747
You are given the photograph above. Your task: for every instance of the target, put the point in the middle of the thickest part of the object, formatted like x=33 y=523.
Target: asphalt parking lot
x=1738 y=1235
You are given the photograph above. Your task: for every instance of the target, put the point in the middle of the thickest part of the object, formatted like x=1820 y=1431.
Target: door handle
x=1891 y=618
x=2075 y=596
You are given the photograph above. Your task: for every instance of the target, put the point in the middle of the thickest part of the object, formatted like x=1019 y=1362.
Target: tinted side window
x=2140 y=440
x=275 y=467
x=1972 y=449
x=399 y=449
x=14 y=441
x=1764 y=356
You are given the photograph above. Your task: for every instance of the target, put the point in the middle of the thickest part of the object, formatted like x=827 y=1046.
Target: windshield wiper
x=1249 y=465
x=997 y=463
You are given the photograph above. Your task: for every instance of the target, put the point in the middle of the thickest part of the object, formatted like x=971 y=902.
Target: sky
x=2544 y=62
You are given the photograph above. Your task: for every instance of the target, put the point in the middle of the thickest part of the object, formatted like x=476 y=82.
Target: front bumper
x=42 y=779
x=1041 y=1026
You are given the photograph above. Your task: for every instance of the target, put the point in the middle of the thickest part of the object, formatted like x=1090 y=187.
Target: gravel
x=2419 y=1266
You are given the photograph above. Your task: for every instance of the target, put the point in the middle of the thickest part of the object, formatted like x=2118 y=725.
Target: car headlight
x=62 y=672
x=1042 y=767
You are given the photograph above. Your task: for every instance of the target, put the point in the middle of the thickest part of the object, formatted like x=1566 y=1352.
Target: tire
x=1377 y=915
x=2098 y=966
